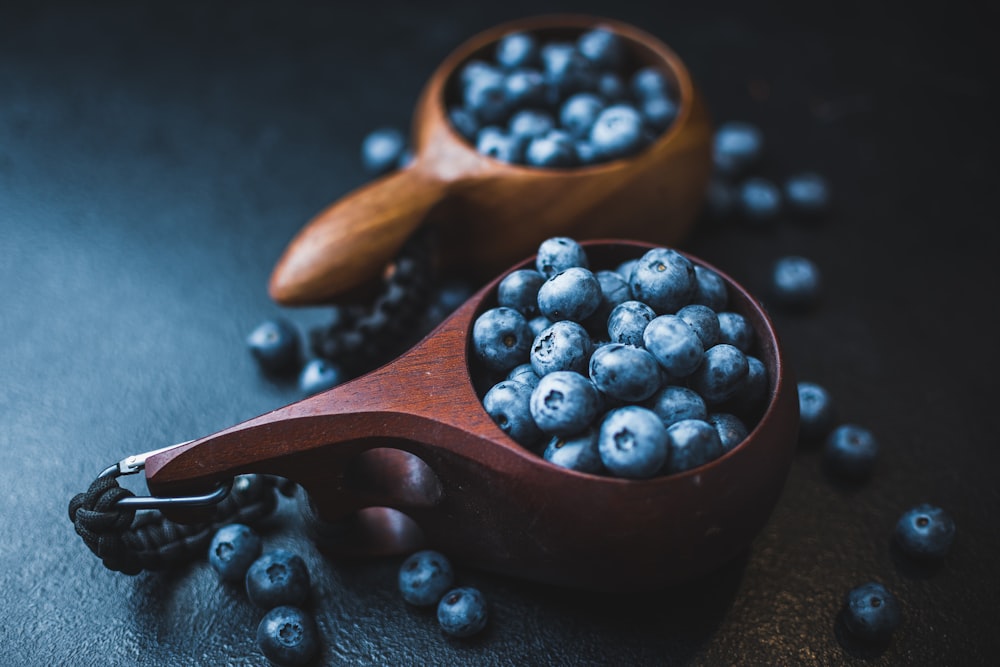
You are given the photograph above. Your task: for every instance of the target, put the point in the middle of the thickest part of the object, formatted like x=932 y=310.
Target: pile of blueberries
x=634 y=372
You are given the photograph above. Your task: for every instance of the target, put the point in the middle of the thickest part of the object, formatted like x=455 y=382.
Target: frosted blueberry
x=527 y=124
x=524 y=374
x=817 y=412
x=796 y=282
x=692 y=442
x=497 y=144
x=319 y=375
x=277 y=578
x=731 y=429
x=519 y=290
x=735 y=330
x=579 y=113
x=704 y=321
x=538 y=325
x=871 y=612
x=710 y=289
x=633 y=442
x=485 y=97
x=424 y=577
x=664 y=279
x=572 y=294
x=508 y=403
x=628 y=321
x=649 y=82
x=617 y=132
x=659 y=112
x=925 y=532
x=564 y=403
x=850 y=451
x=674 y=344
x=578 y=452
x=602 y=47
x=462 y=612
x=517 y=49
x=721 y=374
x=558 y=254
x=674 y=403
x=566 y=70
x=556 y=149
x=624 y=372
x=501 y=338
x=526 y=88
x=736 y=146
x=626 y=267
x=233 y=548
x=288 y=636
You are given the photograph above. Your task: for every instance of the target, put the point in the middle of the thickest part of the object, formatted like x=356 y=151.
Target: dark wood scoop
x=413 y=436
x=492 y=213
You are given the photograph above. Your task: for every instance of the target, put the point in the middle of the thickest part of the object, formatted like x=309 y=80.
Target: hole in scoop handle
x=352 y=240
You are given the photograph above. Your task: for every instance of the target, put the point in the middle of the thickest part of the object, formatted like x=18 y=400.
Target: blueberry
x=925 y=532
x=572 y=294
x=526 y=88
x=475 y=69
x=614 y=291
x=731 y=429
x=721 y=374
x=578 y=452
x=692 y=442
x=850 y=451
x=275 y=345
x=817 y=412
x=624 y=372
x=674 y=344
x=558 y=254
x=508 y=403
x=232 y=550
x=735 y=330
x=278 y=578
x=720 y=199
x=566 y=70
x=752 y=393
x=464 y=123
x=554 y=150
x=807 y=194
x=538 y=325
x=381 y=150
x=736 y=146
x=625 y=268
x=649 y=82
x=585 y=154
x=759 y=199
x=659 y=112
x=525 y=374
x=617 y=132
x=611 y=87
x=664 y=279
x=633 y=442
x=501 y=338
x=579 y=113
x=288 y=636
x=318 y=375
x=519 y=290
x=674 y=403
x=527 y=124
x=424 y=577
x=871 y=612
x=486 y=97
x=795 y=282
x=710 y=289
x=704 y=321
x=627 y=322
x=462 y=612
x=517 y=49
x=497 y=144
x=602 y=47
x=564 y=403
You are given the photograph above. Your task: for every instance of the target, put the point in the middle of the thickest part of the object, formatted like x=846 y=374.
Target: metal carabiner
x=131 y=465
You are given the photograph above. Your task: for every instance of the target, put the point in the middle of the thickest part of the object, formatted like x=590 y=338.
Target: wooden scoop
x=413 y=436
x=492 y=213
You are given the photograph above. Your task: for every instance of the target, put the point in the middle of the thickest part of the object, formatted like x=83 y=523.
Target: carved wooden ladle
x=406 y=455
x=491 y=213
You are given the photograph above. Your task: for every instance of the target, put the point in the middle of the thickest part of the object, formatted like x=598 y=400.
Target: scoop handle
x=352 y=240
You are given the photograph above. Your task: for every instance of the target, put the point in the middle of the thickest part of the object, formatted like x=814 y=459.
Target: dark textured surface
x=154 y=160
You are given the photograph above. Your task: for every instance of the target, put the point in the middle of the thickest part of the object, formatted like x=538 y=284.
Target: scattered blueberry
x=722 y=372
x=233 y=549
x=319 y=375
x=735 y=330
x=288 y=636
x=624 y=372
x=807 y=193
x=817 y=412
x=278 y=578
x=759 y=199
x=674 y=403
x=851 y=451
x=692 y=442
x=579 y=452
x=564 y=403
x=462 y=612
x=731 y=429
x=795 y=282
x=508 y=403
x=381 y=150
x=674 y=344
x=558 y=254
x=572 y=294
x=925 y=532
x=633 y=442
x=736 y=146
x=563 y=346
x=871 y=612
x=424 y=577
x=617 y=132
x=519 y=290
x=628 y=321
x=501 y=338
x=275 y=345
x=664 y=279
x=517 y=49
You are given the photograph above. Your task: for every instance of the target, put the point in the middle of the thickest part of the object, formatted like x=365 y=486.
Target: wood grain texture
x=484 y=499
x=492 y=213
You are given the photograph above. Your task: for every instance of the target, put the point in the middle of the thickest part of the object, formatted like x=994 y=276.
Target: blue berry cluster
x=278 y=583
x=426 y=579
x=561 y=104
x=276 y=347
x=632 y=372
